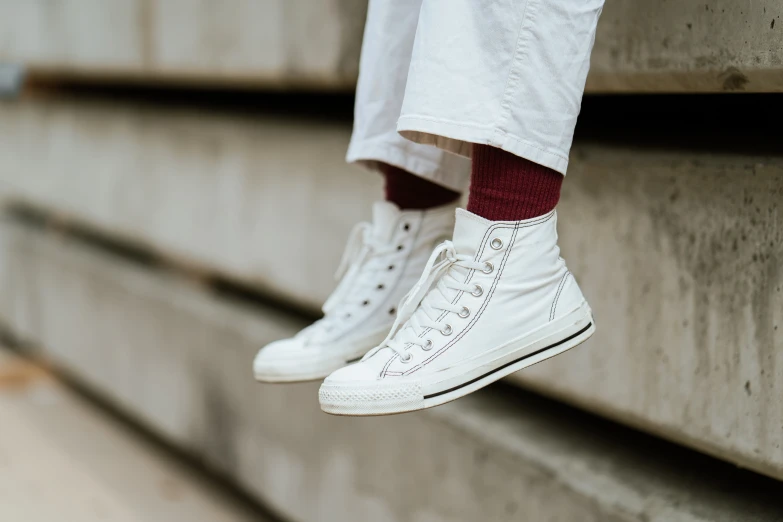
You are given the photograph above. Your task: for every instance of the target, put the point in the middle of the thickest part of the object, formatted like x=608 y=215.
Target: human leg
x=385 y=257
x=383 y=73
x=508 y=76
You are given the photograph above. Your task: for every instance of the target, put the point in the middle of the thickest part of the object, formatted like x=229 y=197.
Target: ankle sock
x=506 y=187
x=411 y=192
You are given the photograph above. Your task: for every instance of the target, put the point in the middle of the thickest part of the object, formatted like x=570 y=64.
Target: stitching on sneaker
x=443 y=314
x=484 y=306
x=505 y=225
x=557 y=295
x=502 y=225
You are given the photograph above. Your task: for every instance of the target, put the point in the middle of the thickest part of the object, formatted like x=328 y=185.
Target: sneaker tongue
x=384 y=220
x=468 y=231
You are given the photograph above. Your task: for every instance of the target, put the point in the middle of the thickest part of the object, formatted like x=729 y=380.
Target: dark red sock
x=505 y=187
x=411 y=192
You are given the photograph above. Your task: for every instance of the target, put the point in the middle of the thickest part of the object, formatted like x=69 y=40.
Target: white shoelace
x=423 y=304
x=361 y=248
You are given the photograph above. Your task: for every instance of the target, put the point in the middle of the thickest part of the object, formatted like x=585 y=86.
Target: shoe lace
x=428 y=298
x=362 y=248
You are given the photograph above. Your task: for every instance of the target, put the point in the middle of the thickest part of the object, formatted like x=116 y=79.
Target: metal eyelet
x=464 y=312
x=381 y=286
x=496 y=243
x=407 y=357
x=365 y=302
x=477 y=292
x=427 y=347
x=400 y=247
x=488 y=268
x=391 y=267
x=447 y=330
x=406 y=227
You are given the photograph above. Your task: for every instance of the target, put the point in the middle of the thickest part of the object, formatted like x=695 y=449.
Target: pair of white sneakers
x=409 y=327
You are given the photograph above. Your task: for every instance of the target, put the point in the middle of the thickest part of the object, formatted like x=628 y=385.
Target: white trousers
x=449 y=73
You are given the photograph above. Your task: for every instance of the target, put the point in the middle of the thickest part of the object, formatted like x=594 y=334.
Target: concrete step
x=677 y=247
x=641 y=46
x=688 y=46
x=177 y=359
x=205 y=187
x=63 y=458
x=232 y=42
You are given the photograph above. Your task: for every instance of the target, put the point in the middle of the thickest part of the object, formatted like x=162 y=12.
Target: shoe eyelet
x=488 y=268
x=400 y=247
x=406 y=227
x=392 y=311
x=477 y=292
x=496 y=243
x=465 y=312
x=406 y=358
x=391 y=267
x=447 y=330
x=427 y=347
x=381 y=287
x=365 y=302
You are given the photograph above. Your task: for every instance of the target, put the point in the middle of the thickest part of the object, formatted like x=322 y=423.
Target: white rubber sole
x=411 y=393
x=306 y=369
x=302 y=371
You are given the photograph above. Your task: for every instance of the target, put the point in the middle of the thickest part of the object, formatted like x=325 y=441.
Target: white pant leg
x=383 y=72
x=506 y=73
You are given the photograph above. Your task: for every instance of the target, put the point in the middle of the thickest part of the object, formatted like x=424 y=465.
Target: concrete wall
x=688 y=46
x=679 y=253
x=238 y=42
x=195 y=185
x=677 y=250
x=66 y=459
x=178 y=359
x=642 y=46
x=702 y=370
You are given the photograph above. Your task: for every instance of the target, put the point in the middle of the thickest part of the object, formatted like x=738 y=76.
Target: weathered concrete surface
x=680 y=255
x=641 y=46
x=688 y=46
x=62 y=458
x=178 y=360
x=238 y=42
x=202 y=186
x=678 y=251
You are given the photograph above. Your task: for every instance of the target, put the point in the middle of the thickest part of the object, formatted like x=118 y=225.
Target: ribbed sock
x=506 y=187
x=411 y=192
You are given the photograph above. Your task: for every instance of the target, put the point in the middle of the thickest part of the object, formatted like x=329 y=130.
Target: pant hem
x=457 y=138
x=452 y=172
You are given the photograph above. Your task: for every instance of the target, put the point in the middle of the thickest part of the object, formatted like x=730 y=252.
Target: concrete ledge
x=205 y=187
x=65 y=459
x=679 y=254
x=235 y=42
x=677 y=248
x=688 y=46
x=641 y=46
x=178 y=360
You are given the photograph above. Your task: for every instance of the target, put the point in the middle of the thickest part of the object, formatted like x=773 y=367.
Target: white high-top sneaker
x=497 y=299
x=382 y=261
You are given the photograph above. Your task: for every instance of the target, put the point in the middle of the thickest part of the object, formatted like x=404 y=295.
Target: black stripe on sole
x=580 y=332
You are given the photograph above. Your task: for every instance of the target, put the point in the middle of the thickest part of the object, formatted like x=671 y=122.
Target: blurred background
x=149 y=150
